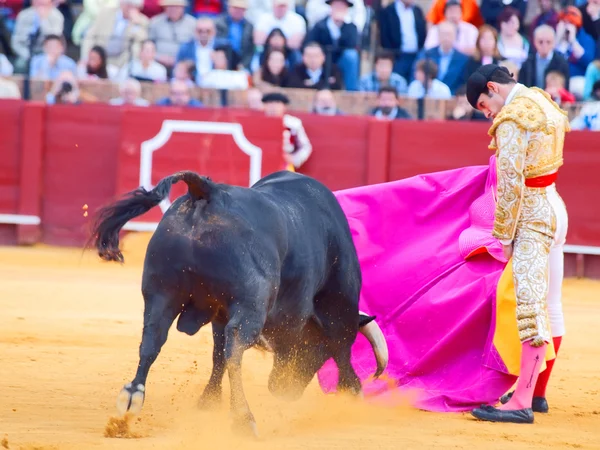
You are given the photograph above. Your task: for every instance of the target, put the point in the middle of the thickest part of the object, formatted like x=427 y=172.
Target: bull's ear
x=364 y=320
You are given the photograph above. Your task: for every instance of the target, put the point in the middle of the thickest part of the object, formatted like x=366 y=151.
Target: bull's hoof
x=245 y=426
x=209 y=399
x=131 y=399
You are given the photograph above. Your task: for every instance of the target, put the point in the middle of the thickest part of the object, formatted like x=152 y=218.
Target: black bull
x=273 y=265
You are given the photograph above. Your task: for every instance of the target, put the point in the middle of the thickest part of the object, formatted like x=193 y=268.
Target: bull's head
x=297 y=360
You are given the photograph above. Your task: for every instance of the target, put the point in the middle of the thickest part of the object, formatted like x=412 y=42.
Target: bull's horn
x=377 y=340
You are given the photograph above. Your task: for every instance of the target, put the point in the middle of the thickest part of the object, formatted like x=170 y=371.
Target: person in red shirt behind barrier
x=296 y=146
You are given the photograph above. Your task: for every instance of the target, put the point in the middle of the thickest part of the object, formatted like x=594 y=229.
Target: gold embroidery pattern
x=512 y=146
x=536 y=228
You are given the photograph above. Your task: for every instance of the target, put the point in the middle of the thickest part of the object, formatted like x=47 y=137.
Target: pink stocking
x=531 y=363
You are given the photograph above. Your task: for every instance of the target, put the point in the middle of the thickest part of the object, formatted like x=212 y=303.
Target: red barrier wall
x=68 y=156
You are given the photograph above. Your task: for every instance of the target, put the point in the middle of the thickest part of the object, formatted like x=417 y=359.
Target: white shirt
x=291 y=24
x=410 y=42
x=203 y=59
x=512 y=93
x=155 y=71
x=225 y=79
x=334 y=30
x=437 y=90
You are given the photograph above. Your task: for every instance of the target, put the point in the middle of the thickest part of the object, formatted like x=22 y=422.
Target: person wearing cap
x=296 y=145
x=466 y=33
x=170 y=30
x=317 y=10
x=234 y=27
x=528 y=132
x=339 y=40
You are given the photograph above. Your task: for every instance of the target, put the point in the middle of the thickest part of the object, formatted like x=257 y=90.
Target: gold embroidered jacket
x=528 y=136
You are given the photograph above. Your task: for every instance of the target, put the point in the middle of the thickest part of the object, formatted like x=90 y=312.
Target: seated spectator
x=470 y=12
x=221 y=77
x=289 y=22
x=317 y=10
x=405 y=38
x=388 y=105
x=589 y=117
x=463 y=109
x=6 y=68
x=296 y=145
x=383 y=75
x=238 y=31
x=257 y=8
x=492 y=9
x=131 y=94
x=311 y=73
x=486 y=51
x=120 y=31
x=254 y=99
x=590 y=13
x=95 y=66
x=547 y=16
x=65 y=90
x=170 y=30
x=426 y=82
x=511 y=44
x=179 y=95
x=467 y=33
x=273 y=71
x=450 y=62
x=144 y=68
x=592 y=75
x=324 y=103
x=340 y=41
x=185 y=71
x=573 y=42
x=555 y=86
x=534 y=70
x=32 y=26
x=200 y=49
x=276 y=40
x=91 y=8
x=9 y=89
x=49 y=64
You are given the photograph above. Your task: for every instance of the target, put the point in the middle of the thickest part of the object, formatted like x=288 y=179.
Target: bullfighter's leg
x=242 y=331
x=159 y=313
x=212 y=391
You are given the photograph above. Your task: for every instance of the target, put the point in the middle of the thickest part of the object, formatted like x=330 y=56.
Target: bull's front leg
x=212 y=391
x=159 y=314
x=241 y=333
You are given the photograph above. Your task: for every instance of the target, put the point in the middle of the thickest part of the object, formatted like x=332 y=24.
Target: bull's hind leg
x=159 y=314
x=242 y=332
x=212 y=391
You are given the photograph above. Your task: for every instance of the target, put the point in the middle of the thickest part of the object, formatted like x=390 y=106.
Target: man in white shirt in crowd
x=291 y=24
x=145 y=68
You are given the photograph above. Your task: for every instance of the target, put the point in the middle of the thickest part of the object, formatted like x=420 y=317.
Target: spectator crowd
x=398 y=49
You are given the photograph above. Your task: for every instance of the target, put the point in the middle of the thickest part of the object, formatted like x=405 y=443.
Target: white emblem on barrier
x=190 y=126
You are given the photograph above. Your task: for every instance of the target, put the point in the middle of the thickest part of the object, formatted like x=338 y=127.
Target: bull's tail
x=111 y=218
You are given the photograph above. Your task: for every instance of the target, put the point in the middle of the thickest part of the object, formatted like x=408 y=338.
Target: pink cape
x=430 y=271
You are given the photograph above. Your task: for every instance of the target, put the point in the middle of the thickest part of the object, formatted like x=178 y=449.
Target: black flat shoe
x=491 y=414
x=538 y=404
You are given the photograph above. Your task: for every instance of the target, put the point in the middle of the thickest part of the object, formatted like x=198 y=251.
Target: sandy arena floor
x=70 y=327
